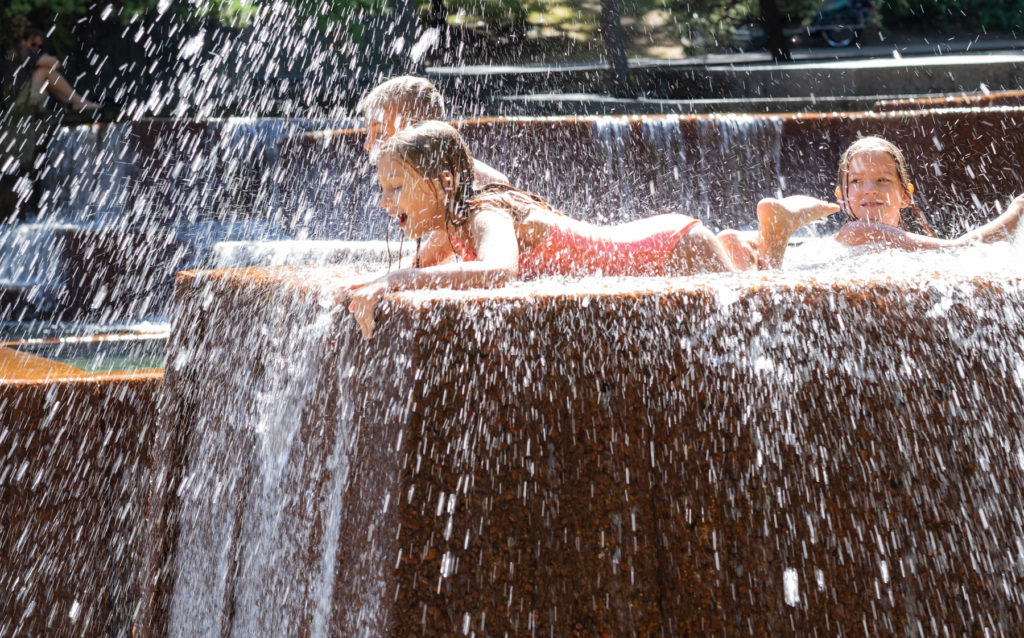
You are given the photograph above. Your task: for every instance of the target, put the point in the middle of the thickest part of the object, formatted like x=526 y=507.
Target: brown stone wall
x=993 y=98
x=658 y=457
x=963 y=161
x=74 y=500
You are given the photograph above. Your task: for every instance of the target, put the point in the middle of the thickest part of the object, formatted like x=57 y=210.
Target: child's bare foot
x=778 y=219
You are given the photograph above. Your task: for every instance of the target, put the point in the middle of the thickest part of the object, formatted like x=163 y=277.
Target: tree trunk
x=773 y=31
x=615 y=46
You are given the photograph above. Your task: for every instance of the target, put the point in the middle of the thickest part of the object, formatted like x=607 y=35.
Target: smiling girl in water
x=502 y=233
x=874 y=187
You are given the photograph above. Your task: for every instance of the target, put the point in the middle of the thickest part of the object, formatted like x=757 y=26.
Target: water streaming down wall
x=126 y=206
x=263 y=482
x=733 y=163
x=640 y=455
x=718 y=175
x=157 y=196
x=175 y=172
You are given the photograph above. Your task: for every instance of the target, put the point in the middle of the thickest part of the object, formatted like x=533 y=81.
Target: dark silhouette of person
x=29 y=77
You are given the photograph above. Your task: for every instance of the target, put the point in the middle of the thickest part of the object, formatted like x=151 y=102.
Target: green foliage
x=700 y=24
x=328 y=13
x=970 y=14
x=491 y=12
x=17 y=14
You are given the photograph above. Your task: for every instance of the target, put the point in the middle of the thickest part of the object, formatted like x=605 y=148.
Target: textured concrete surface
x=682 y=84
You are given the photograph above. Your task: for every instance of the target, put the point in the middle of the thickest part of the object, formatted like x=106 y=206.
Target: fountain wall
x=983 y=99
x=75 y=482
x=284 y=451
x=633 y=456
x=717 y=167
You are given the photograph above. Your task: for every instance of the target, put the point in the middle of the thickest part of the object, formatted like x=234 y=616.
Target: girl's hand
x=363 y=302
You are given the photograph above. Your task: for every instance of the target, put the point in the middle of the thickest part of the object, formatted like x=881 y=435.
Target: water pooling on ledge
x=830 y=450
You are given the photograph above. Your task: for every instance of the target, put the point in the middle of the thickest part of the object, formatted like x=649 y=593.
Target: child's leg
x=743 y=247
x=699 y=251
x=778 y=219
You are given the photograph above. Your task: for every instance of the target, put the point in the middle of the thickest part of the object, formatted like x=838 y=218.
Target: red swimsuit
x=573 y=247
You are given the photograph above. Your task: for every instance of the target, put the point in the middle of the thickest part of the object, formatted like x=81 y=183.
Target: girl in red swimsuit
x=426 y=178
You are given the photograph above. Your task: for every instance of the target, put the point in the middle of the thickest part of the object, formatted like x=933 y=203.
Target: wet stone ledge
x=757 y=455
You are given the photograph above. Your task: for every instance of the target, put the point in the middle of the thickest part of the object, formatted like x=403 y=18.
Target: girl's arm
x=1000 y=228
x=484 y=174
x=861 y=233
x=497 y=263
x=436 y=249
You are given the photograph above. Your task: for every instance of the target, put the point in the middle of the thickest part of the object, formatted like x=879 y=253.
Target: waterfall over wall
x=263 y=476
x=808 y=451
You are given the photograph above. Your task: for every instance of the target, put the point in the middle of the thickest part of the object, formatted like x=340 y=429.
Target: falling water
x=262 y=496
x=718 y=177
x=272 y=388
x=165 y=192
x=722 y=453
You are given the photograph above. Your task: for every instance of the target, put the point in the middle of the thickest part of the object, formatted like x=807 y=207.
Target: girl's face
x=873 y=189
x=415 y=201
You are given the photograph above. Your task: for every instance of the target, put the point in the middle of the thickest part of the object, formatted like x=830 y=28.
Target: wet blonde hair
x=875 y=143
x=431 y=148
x=415 y=99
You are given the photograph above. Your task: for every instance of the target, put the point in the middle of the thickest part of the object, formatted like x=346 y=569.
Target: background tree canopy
x=698 y=25
x=326 y=51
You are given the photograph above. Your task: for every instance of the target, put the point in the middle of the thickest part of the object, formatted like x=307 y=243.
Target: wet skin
x=874 y=192
x=416 y=203
x=380 y=125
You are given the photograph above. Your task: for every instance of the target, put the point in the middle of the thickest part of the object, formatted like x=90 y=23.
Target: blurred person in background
x=29 y=76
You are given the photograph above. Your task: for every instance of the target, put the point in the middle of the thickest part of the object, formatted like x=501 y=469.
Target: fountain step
x=591 y=103
x=765 y=454
x=74 y=496
x=16 y=366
